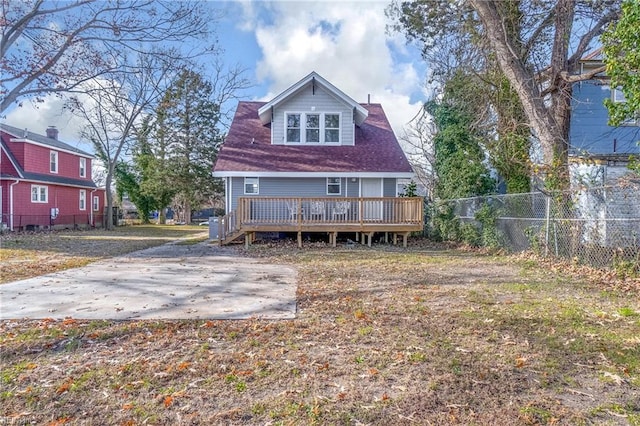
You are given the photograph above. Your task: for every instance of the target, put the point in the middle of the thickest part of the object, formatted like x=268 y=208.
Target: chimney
x=369 y=98
x=52 y=132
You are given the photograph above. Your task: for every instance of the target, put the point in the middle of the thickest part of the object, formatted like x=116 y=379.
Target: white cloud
x=345 y=42
x=36 y=117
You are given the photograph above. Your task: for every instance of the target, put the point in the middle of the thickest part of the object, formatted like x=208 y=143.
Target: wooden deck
x=331 y=215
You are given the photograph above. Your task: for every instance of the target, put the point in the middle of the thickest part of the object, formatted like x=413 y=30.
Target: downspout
x=11 y=203
x=91 y=207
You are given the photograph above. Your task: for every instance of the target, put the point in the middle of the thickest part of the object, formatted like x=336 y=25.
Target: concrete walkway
x=166 y=282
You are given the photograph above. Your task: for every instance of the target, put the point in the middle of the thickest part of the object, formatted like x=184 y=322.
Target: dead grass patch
x=27 y=255
x=383 y=336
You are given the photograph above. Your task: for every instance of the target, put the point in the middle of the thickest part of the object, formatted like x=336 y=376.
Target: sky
x=280 y=42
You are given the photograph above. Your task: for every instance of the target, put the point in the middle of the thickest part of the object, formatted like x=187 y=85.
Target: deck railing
x=329 y=210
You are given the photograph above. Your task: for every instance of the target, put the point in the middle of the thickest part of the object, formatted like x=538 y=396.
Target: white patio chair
x=341 y=209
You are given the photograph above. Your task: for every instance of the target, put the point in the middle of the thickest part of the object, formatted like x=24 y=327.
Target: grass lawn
x=424 y=335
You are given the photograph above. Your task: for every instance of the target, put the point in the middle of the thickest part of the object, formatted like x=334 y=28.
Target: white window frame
x=301 y=119
x=618 y=97
x=83 y=167
x=307 y=128
x=41 y=193
x=338 y=184
x=82 y=199
x=54 y=166
x=254 y=182
x=325 y=128
x=96 y=203
x=303 y=127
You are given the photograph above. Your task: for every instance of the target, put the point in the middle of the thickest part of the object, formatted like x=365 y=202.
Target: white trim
x=82 y=167
x=53 y=153
x=39 y=193
x=264 y=112
x=51 y=147
x=48 y=182
x=321 y=130
x=339 y=186
x=11 y=203
x=13 y=163
x=82 y=199
x=257 y=185
x=408 y=175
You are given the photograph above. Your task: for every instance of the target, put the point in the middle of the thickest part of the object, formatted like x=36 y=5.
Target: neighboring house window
x=83 y=167
x=96 y=203
x=251 y=185
x=618 y=97
x=332 y=128
x=313 y=128
x=318 y=128
x=83 y=199
x=333 y=186
x=39 y=194
x=293 y=127
x=53 y=162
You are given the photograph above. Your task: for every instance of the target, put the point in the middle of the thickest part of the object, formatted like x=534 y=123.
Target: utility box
x=213 y=228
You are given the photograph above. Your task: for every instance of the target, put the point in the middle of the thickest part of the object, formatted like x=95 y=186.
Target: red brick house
x=46 y=183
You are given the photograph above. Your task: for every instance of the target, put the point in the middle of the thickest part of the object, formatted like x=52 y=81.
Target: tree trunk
x=109 y=218
x=551 y=134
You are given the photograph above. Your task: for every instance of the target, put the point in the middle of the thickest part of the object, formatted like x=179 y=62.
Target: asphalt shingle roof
x=53 y=143
x=248 y=148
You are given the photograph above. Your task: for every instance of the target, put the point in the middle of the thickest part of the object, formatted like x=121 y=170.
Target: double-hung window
x=82 y=205
x=96 y=203
x=53 y=161
x=312 y=127
x=293 y=128
x=83 y=167
x=334 y=186
x=332 y=127
x=251 y=185
x=39 y=194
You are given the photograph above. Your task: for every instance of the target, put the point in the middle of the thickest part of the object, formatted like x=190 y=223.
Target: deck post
x=299 y=239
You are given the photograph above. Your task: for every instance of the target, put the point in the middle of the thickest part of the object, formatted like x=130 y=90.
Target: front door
x=371 y=187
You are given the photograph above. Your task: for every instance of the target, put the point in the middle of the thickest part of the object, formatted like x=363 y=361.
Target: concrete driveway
x=166 y=282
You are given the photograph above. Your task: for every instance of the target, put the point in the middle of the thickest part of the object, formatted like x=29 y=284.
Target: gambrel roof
x=248 y=150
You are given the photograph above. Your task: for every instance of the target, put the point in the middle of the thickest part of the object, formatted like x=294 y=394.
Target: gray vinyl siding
x=389 y=187
x=353 y=188
x=289 y=187
x=589 y=131
x=303 y=101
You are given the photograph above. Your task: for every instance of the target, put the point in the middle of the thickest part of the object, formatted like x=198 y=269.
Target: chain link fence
x=599 y=227
x=45 y=222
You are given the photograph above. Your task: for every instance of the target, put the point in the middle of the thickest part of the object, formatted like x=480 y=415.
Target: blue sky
x=279 y=42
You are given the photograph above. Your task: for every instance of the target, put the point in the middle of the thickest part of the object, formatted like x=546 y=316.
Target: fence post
x=548 y=223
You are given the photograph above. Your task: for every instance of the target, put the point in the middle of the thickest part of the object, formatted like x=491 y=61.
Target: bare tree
x=113 y=108
x=537 y=45
x=56 y=46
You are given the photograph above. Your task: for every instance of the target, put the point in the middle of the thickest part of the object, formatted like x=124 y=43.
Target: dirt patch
x=426 y=335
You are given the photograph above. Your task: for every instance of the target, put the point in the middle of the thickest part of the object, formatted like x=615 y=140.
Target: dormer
x=312 y=112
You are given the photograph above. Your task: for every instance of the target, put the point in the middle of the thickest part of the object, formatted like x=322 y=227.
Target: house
x=314 y=160
x=46 y=183
x=599 y=156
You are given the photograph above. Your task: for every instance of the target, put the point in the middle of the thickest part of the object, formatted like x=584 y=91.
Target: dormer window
x=53 y=161
x=293 y=127
x=313 y=128
x=318 y=127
